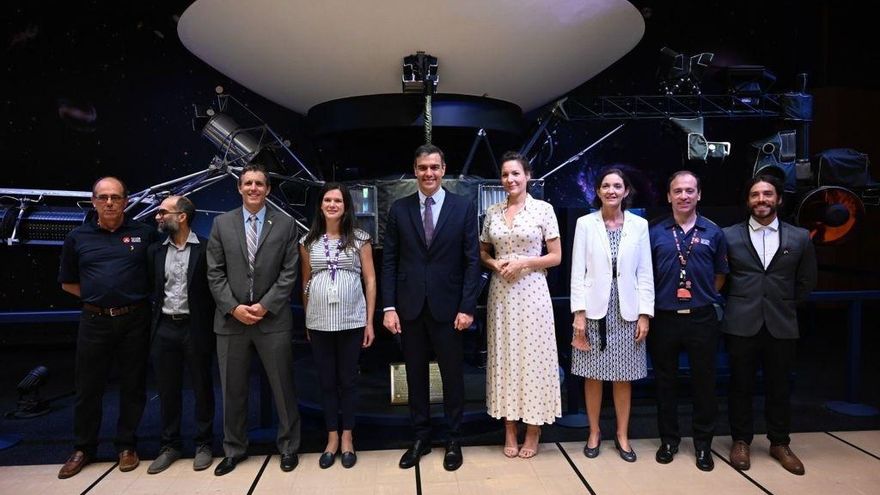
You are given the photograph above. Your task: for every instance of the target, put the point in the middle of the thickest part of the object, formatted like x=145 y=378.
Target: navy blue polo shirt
x=111 y=267
x=708 y=257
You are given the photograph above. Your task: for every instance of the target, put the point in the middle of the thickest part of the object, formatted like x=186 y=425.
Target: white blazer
x=591 y=268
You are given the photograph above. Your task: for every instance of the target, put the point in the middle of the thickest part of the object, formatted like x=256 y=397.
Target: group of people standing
x=231 y=293
x=628 y=277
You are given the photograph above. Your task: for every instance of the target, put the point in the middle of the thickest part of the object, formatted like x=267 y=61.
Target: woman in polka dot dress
x=522 y=377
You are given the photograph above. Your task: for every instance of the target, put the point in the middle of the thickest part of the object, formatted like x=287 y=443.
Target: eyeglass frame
x=111 y=197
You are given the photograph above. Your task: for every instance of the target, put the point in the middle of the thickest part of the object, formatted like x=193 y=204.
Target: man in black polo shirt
x=690 y=264
x=104 y=263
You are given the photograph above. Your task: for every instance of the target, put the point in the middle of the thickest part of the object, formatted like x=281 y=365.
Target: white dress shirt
x=765 y=238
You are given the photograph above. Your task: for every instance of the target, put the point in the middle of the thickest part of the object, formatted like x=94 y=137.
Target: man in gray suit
x=772 y=268
x=252 y=265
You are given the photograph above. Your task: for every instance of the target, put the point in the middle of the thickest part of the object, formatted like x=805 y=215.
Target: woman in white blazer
x=612 y=297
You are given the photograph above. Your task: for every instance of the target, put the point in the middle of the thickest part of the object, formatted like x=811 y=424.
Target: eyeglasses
x=109 y=197
x=162 y=213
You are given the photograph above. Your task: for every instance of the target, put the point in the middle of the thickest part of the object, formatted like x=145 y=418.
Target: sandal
x=510 y=451
x=528 y=453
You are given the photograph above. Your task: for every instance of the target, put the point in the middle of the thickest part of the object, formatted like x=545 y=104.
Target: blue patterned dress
x=623 y=359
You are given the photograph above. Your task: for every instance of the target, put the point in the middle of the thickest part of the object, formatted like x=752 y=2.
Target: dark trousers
x=99 y=341
x=336 y=356
x=174 y=349
x=419 y=337
x=777 y=358
x=697 y=334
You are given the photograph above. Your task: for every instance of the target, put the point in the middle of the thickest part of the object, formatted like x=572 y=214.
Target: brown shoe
x=74 y=464
x=786 y=457
x=128 y=460
x=739 y=455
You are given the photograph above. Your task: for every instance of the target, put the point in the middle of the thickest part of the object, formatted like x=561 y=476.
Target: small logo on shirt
x=706 y=242
x=129 y=240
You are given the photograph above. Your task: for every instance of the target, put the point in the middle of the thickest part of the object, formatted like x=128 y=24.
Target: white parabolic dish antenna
x=299 y=53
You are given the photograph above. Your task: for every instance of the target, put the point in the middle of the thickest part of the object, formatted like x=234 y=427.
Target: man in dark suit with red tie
x=772 y=268
x=430 y=283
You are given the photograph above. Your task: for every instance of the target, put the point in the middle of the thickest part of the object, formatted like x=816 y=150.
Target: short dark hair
x=185 y=205
x=680 y=173
x=254 y=167
x=515 y=156
x=117 y=179
x=627 y=201
x=769 y=179
x=429 y=149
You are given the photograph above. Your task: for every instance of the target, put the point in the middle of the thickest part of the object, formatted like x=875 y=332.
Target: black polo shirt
x=708 y=257
x=111 y=267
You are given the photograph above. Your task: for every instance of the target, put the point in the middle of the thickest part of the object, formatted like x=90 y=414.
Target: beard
x=169 y=228
x=771 y=210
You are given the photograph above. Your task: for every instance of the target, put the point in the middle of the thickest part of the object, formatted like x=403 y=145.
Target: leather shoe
x=592 y=452
x=227 y=465
x=128 y=460
x=628 y=456
x=289 y=461
x=739 y=455
x=74 y=464
x=704 y=460
x=349 y=459
x=786 y=457
x=666 y=453
x=453 y=458
x=327 y=459
x=411 y=457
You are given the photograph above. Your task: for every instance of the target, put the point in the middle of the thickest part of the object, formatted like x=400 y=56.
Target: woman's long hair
x=319 y=223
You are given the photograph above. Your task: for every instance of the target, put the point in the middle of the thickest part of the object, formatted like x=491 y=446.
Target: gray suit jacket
x=757 y=297
x=274 y=274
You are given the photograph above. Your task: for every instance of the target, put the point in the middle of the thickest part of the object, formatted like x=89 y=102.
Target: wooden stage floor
x=836 y=463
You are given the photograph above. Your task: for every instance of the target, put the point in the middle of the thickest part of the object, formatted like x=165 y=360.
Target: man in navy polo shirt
x=104 y=263
x=690 y=264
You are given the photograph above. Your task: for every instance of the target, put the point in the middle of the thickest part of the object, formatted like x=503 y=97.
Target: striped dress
x=351 y=310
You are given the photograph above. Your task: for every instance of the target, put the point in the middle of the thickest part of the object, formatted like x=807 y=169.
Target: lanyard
x=332 y=263
x=683 y=257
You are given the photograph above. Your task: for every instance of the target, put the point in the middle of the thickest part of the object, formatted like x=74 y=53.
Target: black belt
x=178 y=317
x=121 y=310
x=687 y=311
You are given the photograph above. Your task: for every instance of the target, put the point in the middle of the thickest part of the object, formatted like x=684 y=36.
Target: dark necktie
x=429 y=220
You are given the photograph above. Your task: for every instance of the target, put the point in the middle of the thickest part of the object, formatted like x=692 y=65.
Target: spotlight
x=776 y=155
x=30 y=404
x=680 y=74
x=698 y=147
x=748 y=82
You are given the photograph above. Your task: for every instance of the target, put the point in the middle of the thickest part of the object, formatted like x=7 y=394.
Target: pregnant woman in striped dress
x=339 y=295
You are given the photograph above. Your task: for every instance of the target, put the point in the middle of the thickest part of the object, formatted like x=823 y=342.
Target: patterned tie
x=429 y=221
x=252 y=240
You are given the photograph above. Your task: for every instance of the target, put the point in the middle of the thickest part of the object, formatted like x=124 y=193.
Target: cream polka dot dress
x=522 y=372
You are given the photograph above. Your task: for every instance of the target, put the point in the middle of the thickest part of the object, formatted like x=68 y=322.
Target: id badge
x=684 y=295
x=332 y=294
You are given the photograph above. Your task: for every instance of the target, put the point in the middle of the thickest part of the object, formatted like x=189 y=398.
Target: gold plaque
x=400 y=391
